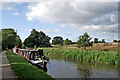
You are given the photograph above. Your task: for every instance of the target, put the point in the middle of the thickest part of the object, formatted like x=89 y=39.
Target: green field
x=23 y=69
x=108 y=57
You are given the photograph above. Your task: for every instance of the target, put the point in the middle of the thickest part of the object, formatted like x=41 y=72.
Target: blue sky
x=69 y=20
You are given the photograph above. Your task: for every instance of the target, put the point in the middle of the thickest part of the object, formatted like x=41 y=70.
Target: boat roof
x=24 y=49
x=33 y=50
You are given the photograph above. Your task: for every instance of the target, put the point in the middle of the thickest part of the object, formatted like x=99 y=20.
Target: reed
x=108 y=57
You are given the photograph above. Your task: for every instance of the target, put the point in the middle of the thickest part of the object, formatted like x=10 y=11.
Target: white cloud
x=69 y=12
x=16 y=14
x=28 y=30
x=104 y=33
x=57 y=30
x=51 y=30
x=83 y=16
x=6 y=6
x=87 y=27
x=59 y=0
x=46 y=31
x=99 y=28
x=95 y=27
x=112 y=17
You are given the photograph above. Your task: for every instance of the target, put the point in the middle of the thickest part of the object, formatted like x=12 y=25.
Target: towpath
x=5 y=69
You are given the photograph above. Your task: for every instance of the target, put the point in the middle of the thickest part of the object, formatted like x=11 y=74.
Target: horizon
x=65 y=19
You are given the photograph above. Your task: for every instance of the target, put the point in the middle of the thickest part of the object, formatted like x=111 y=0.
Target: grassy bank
x=109 y=57
x=23 y=69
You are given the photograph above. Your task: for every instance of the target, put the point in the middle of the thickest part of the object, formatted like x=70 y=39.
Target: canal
x=64 y=68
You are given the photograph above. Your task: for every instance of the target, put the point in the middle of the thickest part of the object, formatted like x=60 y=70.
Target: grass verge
x=24 y=70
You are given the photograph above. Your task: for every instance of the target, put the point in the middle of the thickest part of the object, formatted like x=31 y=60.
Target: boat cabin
x=36 y=54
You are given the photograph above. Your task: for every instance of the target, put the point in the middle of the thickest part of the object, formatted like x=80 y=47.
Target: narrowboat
x=33 y=56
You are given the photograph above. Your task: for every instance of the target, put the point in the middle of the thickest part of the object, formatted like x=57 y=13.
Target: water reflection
x=66 y=68
x=43 y=68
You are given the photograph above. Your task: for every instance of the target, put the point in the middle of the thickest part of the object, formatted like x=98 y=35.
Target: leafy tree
x=115 y=41
x=103 y=40
x=95 y=40
x=74 y=42
x=23 y=46
x=57 y=40
x=67 y=42
x=10 y=39
x=118 y=40
x=18 y=42
x=84 y=40
x=37 y=38
x=99 y=41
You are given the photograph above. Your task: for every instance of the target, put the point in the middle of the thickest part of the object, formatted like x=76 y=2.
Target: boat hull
x=39 y=63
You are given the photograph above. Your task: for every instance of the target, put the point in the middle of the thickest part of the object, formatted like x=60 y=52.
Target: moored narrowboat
x=33 y=56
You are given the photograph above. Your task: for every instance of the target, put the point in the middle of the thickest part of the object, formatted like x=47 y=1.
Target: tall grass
x=108 y=57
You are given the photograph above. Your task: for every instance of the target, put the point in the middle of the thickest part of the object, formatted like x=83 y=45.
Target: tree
x=84 y=40
x=37 y=38
x=115 y=41
x=95 y=40
x=67 y=42
x=103 y=40
x=18 y=42
x=10 y=39
x=74 y=42
x=57 y=40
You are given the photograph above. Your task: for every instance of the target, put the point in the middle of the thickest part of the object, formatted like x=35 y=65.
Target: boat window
x=23 y=53
x=26 y=54
x=20 y=52
x=40 y=52
x=32 y=57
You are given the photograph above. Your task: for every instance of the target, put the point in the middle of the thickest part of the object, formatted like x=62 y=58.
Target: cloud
x=50 y=31
x=57 y=30
x=99 y=28
x=9 y=5
x=82 y=16
x=6 y=5
x=16 y=14
x=59 y=1
x=46 y=31
x=68 y=12
x=104 y=33
x=112 y=17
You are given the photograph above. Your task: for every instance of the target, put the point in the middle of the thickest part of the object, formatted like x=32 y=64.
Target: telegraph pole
x=113 y=35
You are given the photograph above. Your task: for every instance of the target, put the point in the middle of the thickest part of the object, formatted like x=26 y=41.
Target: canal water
x=64 y=68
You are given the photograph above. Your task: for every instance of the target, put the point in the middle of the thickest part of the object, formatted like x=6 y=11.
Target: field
x=99 y=46
x=102 y=53
x=23 y=69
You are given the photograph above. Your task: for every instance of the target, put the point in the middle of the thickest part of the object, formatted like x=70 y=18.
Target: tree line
x=36 y=38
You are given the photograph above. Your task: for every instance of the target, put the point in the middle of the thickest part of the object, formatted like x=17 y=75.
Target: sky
x=66 y=19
